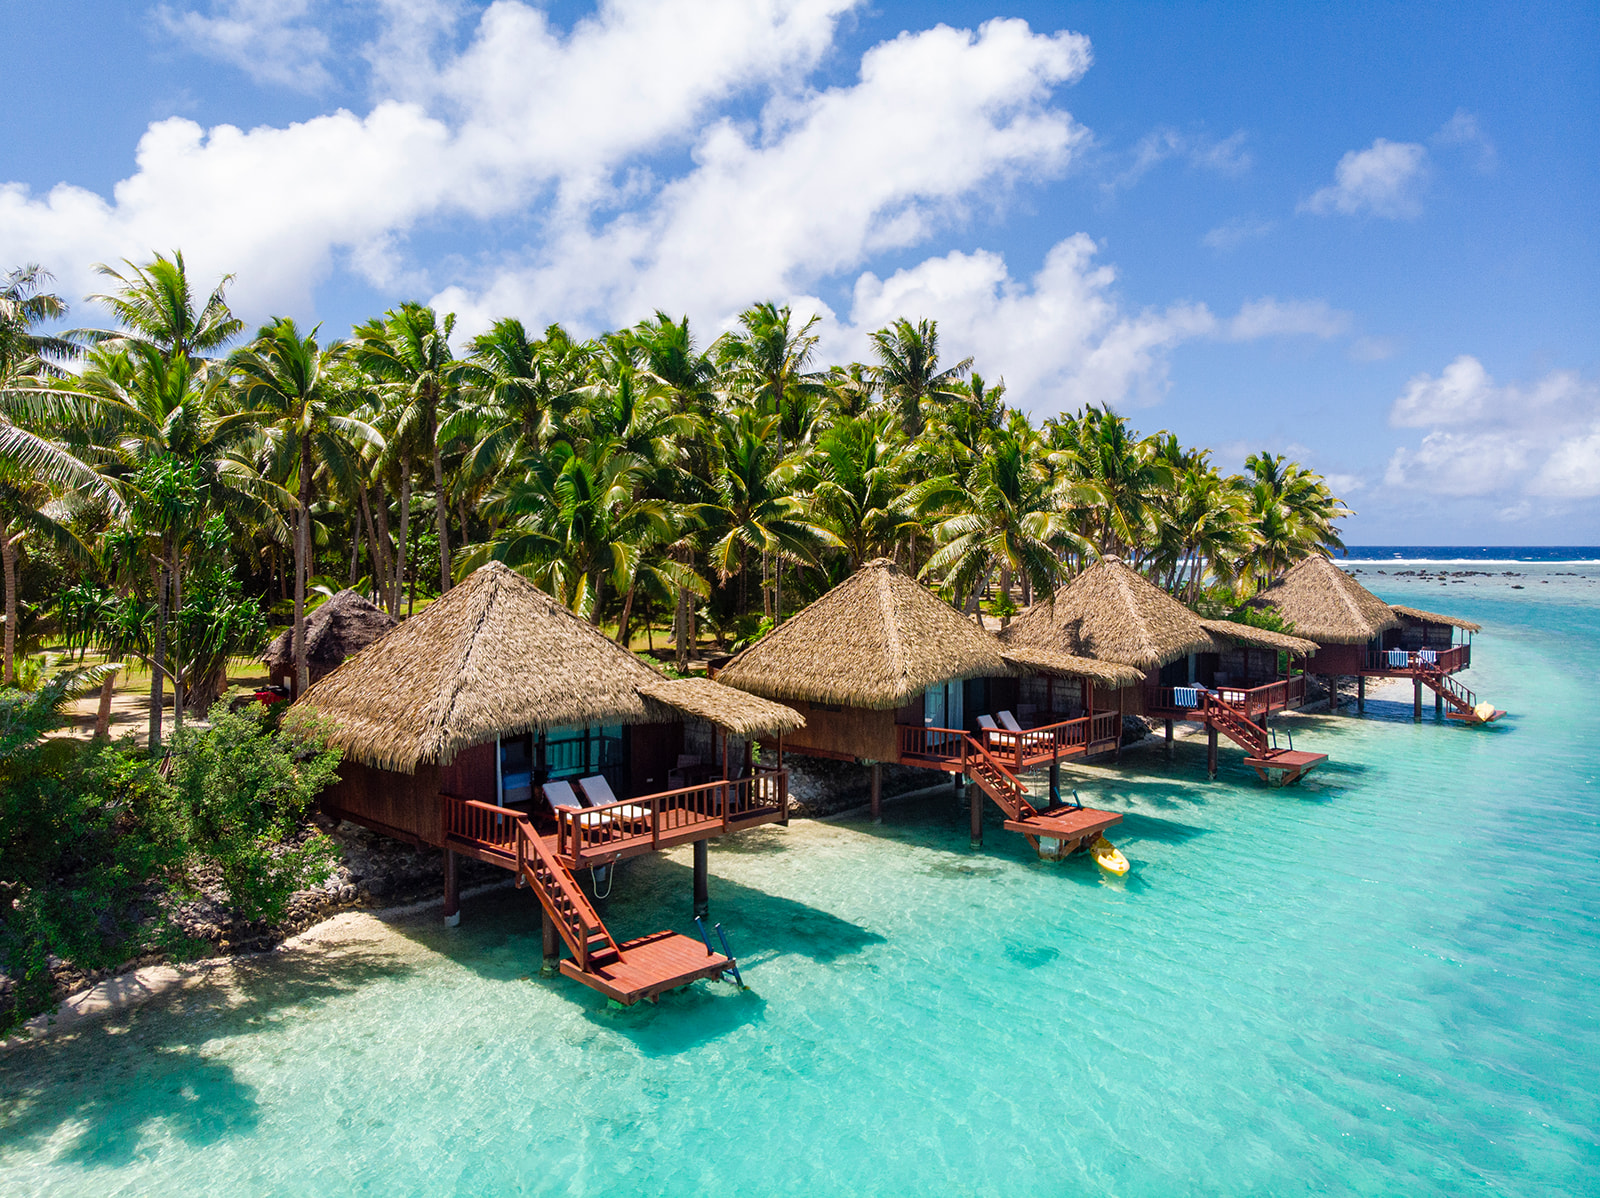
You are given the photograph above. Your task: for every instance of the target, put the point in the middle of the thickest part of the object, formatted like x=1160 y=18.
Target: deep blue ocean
x=1384 y=980
x=1474 y=553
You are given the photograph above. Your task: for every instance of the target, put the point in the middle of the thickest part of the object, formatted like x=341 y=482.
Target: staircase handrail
x=578 y=923
x=1004 y=778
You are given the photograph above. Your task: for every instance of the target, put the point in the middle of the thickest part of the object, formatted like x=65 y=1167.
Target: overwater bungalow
x=884 y=671
x=342 y=627
x=495 y=724
x=1358 y=635
x=1224 y=675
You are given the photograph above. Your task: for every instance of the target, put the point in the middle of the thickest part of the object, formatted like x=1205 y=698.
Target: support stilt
x=452 y=890
x=1361 y=693
x=702 y=899
x=975 y=810
x=1438 y=705
x=1416 y=700
x=552 y=946
x=1211 y=750
x=1055 y=775
x=877 y=793
x=1169 y=736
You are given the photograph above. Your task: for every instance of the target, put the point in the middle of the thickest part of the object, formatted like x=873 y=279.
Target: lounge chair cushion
x=562 y=797
x=1010 y=722
x=597 y=792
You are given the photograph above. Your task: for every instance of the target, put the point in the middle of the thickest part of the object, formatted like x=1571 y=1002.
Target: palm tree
x=285 y=381
x=1112 y=477
x=908 y=369
x=860 y=481
x=155 y=305
x=754 y=509
x=1005 y=520
x=408 y=351
x=577 y=522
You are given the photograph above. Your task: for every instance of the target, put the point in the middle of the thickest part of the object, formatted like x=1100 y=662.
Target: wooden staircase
x=1273 y=764
x=625 y=973
x=1070 y=828
x=1461 y=701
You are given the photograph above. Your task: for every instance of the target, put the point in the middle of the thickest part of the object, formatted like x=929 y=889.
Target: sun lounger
x=562 y=797
x=1011 y=725
x=597 y=792
x=992 y=734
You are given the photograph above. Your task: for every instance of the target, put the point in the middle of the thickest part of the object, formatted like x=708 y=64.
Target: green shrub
x=241 y=791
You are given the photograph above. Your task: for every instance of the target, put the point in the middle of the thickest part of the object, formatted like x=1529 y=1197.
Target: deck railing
x=1064 y=738
x=662 y=817
x=1446 y=661
x=1253 y=700
x=483 y=823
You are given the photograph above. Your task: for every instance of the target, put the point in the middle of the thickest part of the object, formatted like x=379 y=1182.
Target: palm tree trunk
x=102 y=717
x=158 y=661
x=8 y=556
x=302 y=543
x=599 y=596
x=377 y=561
x=627 y=610
x=177 y=672
x=405 y=536
x=441 y=511
x=387 y=589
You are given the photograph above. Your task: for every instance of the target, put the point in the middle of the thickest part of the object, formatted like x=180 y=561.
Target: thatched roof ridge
x=339 y=628
x=1262 y=638
x=1113 y=613
x=1433 y=617
x=493 y=656
x=1030 y=659
x=1326 y=605
x=874 y=641
x=740 y=712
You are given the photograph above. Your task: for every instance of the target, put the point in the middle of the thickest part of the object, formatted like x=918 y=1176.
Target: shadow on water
x=117 y=1076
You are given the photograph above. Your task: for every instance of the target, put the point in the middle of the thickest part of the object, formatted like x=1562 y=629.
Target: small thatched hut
x=494 y=690
x=340 y=628
x=1112 y=613
x=879 y=654
x=1352 y=627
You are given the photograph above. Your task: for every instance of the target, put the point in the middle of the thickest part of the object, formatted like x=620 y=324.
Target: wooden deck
x=946 y=748
x=1284 y=766
x=1181 y=702
x=1067 y=824
x=648 y=966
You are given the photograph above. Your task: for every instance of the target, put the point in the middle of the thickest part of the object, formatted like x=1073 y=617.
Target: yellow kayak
x=1108 y=858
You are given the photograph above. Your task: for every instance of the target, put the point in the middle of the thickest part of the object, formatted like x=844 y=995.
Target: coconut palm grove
x=177 y=488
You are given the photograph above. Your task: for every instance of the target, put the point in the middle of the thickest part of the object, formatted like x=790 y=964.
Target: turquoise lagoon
x=1382 y=981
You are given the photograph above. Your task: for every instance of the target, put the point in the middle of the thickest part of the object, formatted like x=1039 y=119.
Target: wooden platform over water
x=649 y=966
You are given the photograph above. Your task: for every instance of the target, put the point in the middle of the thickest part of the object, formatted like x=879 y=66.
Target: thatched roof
x=874 y=641
x=1112 y=613
x=1326 y=605
x=1030 y=659
x=741 y=713
x=493 y=656
x=1433 y=617
x=1262 y=638
x=340 y=628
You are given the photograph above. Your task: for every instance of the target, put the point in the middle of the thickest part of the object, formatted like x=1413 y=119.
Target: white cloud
x=1542 y=439
x=1460 y=395
x=1200 y=150
x=1383 y=179
x=1234 y=233
x=270 y=40
x=1463 y=130
x=1270 y=317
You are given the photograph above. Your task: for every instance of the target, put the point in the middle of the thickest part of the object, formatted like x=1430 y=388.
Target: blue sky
x=1360 y=234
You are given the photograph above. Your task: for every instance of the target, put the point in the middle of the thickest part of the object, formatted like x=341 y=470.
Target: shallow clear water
x=1382 y=981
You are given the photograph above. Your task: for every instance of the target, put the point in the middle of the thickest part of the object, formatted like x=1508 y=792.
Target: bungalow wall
x=833 y=730
x=1419 y=634
x=405 y=806
x=1338 y=659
